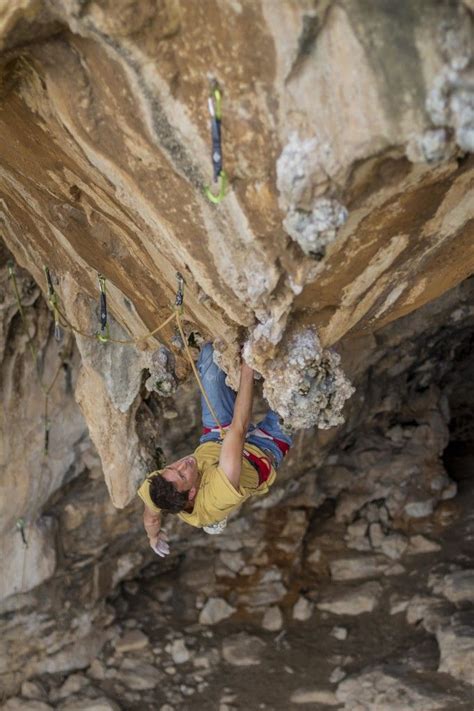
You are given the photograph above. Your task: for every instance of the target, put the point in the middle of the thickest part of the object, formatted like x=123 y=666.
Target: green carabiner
x=216 y=199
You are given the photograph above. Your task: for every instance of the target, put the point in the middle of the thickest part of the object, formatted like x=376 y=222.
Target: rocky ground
x=392 y=630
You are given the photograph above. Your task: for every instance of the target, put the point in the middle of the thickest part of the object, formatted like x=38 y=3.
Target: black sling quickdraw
x=220 y=177
x=53 y=302
x=103 y=335
x=179 y=293
x=20 y=525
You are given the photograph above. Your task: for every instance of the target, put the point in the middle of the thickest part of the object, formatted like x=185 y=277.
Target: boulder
x=243 y=650
x=354 y=601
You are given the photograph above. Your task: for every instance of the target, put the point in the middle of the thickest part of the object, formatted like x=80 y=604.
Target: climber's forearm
x=152 y=523
x=230 y=459
x=243 y=403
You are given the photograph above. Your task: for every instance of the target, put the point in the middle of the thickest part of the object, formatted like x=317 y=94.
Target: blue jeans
x=222 y=399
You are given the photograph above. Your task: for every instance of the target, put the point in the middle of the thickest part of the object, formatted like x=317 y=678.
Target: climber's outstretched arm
x=230 y=459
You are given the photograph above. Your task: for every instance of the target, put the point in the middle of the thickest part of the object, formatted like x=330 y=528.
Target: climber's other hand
x=160 y=544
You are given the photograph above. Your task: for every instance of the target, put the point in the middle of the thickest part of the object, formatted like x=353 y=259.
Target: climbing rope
x=219 y=175
x=46 y=389
x=62 y=322
x=103 y=336
x=196 y=374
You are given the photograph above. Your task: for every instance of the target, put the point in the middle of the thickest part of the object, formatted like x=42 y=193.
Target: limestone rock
x=394 y=545
x=72 y=685
x=232 y=560
x=339 y=633
x=243 y=650
x=178 y=651
x=29 y=566
x=337 y=675
x=142 y=677
x=315 y=229
x=33 y=690
x=314 y=696
x=305 y=384
x=457 y=587
x=20 y=704
x=357 y=567
x=377 y=689
x=98 y=704
x=354 y=601
x=215 y=610
x=267 y=592
x=272 y=619
x=421 y=544
x=419 y=509
x=348 y=213
x=303 y=609
x=132 y=641
x=456 y=645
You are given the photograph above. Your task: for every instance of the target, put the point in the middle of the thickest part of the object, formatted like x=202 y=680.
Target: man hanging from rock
x=204 y=487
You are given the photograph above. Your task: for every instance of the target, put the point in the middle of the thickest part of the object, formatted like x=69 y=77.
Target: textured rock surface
x=120 y=162
x=347 y=136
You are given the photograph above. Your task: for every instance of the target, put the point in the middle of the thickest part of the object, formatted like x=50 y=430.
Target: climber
x=204 y=487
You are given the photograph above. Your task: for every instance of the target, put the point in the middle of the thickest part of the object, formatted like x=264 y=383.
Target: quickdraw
x=220 y=177
x=61 y=321
x=104 y=334
x=20 y=524
x=53 y=302
x=180 y=293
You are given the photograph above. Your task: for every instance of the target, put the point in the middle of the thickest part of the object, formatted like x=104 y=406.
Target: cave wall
x=347 y=137
x=354 y=508
x=347 y=133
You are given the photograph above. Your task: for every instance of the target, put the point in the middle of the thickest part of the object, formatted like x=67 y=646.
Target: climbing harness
x=262 y=465
x=219 y=175
x=103 y=335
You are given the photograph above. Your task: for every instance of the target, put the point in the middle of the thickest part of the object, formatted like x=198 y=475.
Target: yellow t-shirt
x=216 y=496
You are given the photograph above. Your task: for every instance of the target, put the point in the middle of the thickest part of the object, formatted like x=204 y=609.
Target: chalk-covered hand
x=160 y=544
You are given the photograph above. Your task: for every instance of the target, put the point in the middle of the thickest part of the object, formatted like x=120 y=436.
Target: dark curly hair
x=166 y=496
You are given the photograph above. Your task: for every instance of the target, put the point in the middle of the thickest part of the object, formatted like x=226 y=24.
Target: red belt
x=262 y=465
x=282 y=446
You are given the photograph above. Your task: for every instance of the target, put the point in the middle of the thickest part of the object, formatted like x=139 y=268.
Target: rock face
x=338 y=258
x=346 y=209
